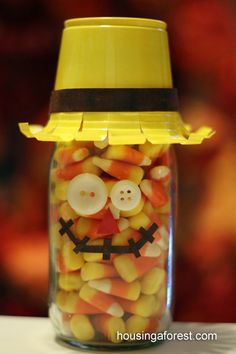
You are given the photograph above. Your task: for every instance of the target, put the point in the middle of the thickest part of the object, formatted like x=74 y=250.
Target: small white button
x=125 y=195
x=87 y=194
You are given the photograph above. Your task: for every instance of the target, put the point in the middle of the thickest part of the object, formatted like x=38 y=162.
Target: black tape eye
x=107 y=248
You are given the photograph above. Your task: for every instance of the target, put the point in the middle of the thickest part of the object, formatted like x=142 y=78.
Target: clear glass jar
x=111 y=243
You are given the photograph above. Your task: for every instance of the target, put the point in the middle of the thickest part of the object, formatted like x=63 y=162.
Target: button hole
x=92 y=194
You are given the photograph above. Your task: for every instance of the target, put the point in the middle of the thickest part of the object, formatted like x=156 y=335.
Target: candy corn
x=61 y=190
x=123 y=224
x=152 y=151
x=92 y=270
x=71 y=303
x=93 y=257
x=151 y=213
x=70 y=171
x=87 y=227
x=69 y=155
x=120 y=170
x=117 y=287
x=70 y=281
x=109 y=326
x=109 y=182
x=103 y=302
x=82 y=328
x=154 y=191
x=56 y=236
x=144 y=306
x=152 y=281
x=162 y=237
x=131 y=268
x=160 y=173
x=66 y=212
x=122 y=237
x=127 y=154
x=68 y=260
x=139 y=220
x=147 y=250
x=138 y=324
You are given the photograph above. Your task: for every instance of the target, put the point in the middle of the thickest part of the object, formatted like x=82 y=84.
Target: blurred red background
x=202 y=37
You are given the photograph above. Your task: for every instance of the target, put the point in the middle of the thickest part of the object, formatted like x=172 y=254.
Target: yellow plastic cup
x=111 y=52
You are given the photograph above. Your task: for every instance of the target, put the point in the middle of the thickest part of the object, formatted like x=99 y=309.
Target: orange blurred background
x=202 y=37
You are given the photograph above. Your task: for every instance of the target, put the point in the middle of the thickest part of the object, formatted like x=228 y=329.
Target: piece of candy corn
x=68 y=155
x=71 y=303
x=164 y=209
x=55 y=235
x=117 y=288
x=120 y=170
x=153 y=280
x=93 y=270
x=70 y=171
x=82 y=328
x=162 y=237
x=154 y=191
x=121 y=238
x=103 y=302
x=138 y=324
x=70 y=281
x=127 y=154
x=160 y=173
x=94 y=257
x=139 y=220
x=66 y=212
x=130 y=268
x=152 y=213
x=109 y=182
x=115 y=212
x=123 y=224
x=147 y=250
x=110 y=326
x=87 y=227
x=153 y=151
x=144 y=306
x=68 y=260
x=61 y=190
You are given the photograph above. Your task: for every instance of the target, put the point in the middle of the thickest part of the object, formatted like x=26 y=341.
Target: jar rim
x=116 y=21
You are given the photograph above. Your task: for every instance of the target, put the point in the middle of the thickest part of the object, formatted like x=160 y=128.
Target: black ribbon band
x=114 y=100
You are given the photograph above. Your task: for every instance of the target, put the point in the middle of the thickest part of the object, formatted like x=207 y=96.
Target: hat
x=114 y=82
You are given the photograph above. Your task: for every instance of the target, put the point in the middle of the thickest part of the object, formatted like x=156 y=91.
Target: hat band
x=114 y=100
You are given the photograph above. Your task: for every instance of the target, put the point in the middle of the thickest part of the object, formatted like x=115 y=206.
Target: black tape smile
x=107 y=248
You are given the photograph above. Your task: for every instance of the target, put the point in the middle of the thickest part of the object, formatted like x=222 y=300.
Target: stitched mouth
x=133 y=247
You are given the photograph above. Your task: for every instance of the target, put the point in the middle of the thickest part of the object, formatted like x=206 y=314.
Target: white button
x=125 y=195
x=87 y=194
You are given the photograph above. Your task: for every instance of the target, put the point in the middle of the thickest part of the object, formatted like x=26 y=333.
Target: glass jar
x=111 y=243
x=114 y=117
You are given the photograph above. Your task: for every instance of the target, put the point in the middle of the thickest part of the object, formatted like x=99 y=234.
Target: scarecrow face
x=88 y=195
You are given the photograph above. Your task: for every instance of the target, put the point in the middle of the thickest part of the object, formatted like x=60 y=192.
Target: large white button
x=125 y=195
x=87 y=194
